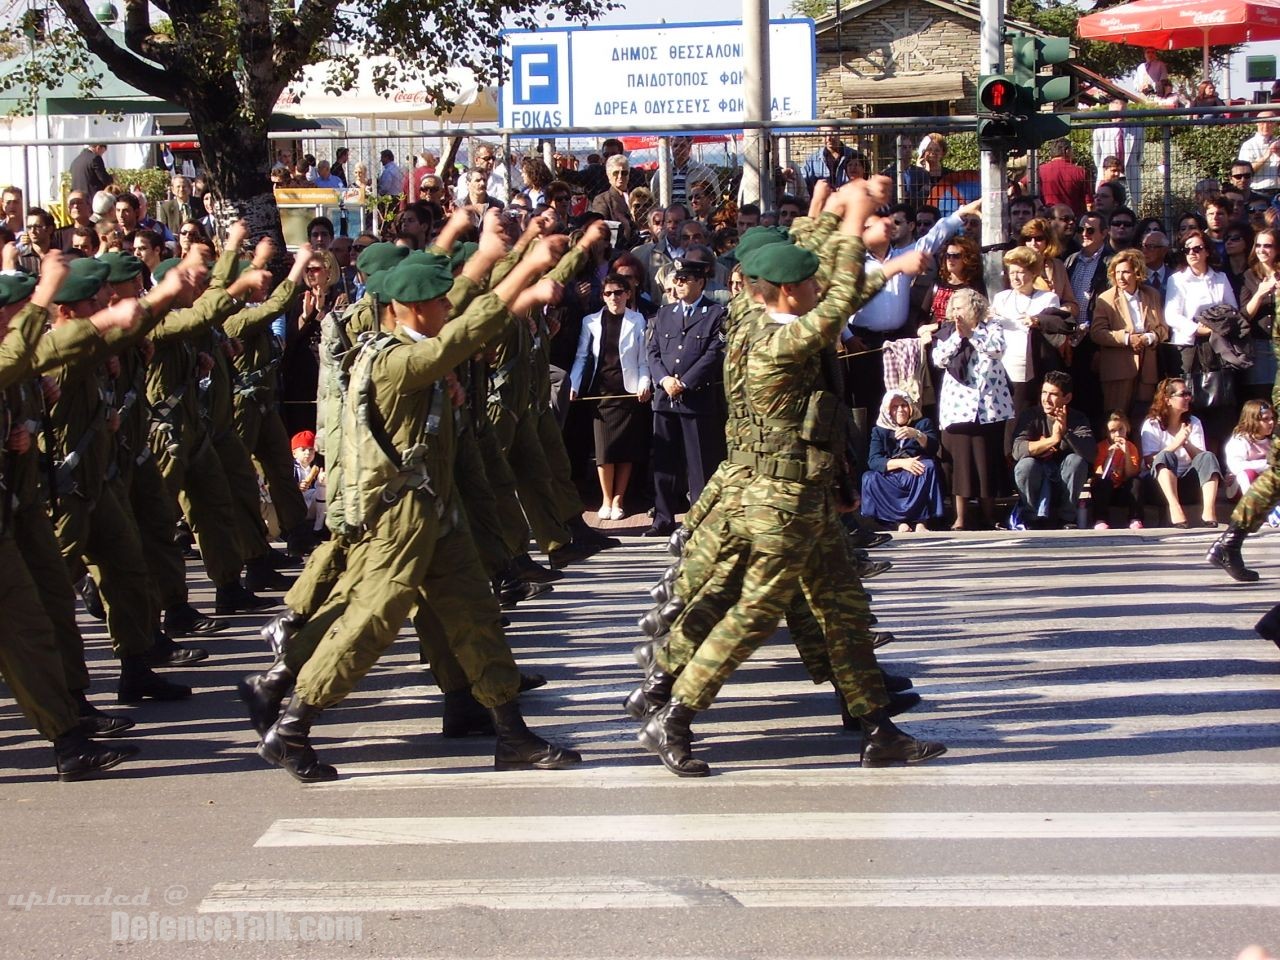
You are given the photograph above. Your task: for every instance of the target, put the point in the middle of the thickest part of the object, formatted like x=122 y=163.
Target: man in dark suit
x=1087 y=268
x=686 y=353
x=89 y=171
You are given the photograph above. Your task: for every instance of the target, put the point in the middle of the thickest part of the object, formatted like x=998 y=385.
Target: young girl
x=1116 y=472
x=1250 y=444
x=310 y=476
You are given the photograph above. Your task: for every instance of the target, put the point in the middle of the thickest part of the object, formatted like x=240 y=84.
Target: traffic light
x=1030 y=56
x=999 y=108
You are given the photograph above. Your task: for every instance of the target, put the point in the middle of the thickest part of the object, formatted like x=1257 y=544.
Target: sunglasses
x=1194 y=249
x=614 y=293
x=953 y=256
x=1258 y=209
x=1038 y=238
x=189 y=233
x=685 y=278
x=1235 y=239
x=1242 y=176
x=1088 y=229
x=1180 y=393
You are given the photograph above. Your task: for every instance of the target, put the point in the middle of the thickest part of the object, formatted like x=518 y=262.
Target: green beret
x=416 y=282
x=373 y=284
x=124 y=266
x=758 y=237
x=85 y=278
x=780 y=263
x=163 y=267
x=462 y=253
x=427 y=257
x=15 y=287
x=380 y=256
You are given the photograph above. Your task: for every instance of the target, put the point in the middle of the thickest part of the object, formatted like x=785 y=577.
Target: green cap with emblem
x=416 y=282
x=124 y=266
x=380 y=256
x=780 y=263
x=85 y=278
x=15 y=287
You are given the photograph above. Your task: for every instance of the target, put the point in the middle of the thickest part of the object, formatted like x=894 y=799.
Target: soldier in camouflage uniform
x=416 y=547
x=787 y=511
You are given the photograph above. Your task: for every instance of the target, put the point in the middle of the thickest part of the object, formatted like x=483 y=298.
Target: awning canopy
x=311 y=96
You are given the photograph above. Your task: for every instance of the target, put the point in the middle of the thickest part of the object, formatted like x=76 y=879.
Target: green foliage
x=1209 y=150
x=153 y=182
x=32 y=75
x=962 y=151
x=813 y=9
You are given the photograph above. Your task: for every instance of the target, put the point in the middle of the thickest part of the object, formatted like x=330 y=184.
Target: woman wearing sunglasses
x=1258 y=304
x=1174 y=454
x=1195 y=286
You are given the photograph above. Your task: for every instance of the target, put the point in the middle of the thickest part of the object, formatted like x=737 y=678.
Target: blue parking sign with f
x=535 y=70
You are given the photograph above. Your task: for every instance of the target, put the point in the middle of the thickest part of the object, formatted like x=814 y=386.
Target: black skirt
x=622 y=430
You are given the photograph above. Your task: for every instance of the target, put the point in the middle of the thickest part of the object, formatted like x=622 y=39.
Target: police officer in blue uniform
x=686 y=353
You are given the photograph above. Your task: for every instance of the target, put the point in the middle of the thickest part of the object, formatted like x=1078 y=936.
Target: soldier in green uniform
x=787 y=507
x=137 y=482
x=415 y=547
x=184 y=452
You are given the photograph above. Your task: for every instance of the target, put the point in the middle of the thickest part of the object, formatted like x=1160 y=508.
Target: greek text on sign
x=674 y=73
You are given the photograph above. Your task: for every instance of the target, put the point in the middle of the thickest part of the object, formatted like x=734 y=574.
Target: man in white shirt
x=1262 y=151
x=497 y=186
x=1123 y=142
x=1152 y=74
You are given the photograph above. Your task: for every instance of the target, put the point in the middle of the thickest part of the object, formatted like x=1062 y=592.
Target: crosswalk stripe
x=749 y=827
x=619 y=777
x=628 y=893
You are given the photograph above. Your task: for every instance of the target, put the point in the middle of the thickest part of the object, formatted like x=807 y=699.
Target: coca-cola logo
x=1115 y=24
x=401 y=96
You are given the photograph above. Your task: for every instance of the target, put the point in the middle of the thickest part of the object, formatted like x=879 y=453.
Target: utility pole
x=991 y=61
x=757 y=171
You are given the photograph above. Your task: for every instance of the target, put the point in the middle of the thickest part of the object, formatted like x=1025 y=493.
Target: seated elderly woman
x=1174 y=454
x=902 y=484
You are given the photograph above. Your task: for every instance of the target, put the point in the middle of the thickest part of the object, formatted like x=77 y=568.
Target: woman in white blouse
x=613 y=339
x=973 y=402
x=1174 y=454
x=1195 y=286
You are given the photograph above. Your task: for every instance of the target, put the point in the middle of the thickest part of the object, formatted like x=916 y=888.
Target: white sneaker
x=1136 y=525
x=1102 y=525
x=616 y=513
x=603 y=512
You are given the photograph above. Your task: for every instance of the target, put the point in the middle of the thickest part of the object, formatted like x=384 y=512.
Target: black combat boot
x=666 y=733
x=1225 y=553
x=644 y=655
x=138 y=683
x=531 y=681
x=288 y=744
x=519 y=748
x=263 y=693
x=524 y=567
x=300 y=541
x=279 y=630
x=880 y=638
x=1269 y=626
x=234 y=598
x=183 y=620
x=260 y=574
x=87 y=587
x=675 y=543
x=96 y=723
x=78 y=758
x=583 y=532
x=166 y=653
x=884 y=744
x=651 y=696
x=464 y=716
x=512 y=592
x=572 y=552
x=894 y=683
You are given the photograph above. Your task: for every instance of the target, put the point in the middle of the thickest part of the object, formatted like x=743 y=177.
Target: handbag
x=1212 y=389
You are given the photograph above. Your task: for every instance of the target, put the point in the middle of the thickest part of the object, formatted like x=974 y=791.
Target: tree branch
x=297 y=39
x=121 y=62
x=139 y=37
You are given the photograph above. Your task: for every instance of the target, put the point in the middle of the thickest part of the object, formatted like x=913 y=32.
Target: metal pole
x=757 y=182
x=664 y=171
x=991 y=60
x=1167 y=159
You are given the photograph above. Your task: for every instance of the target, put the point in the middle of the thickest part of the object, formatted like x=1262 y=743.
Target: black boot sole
x=1240 y=574
x=118 y=726
x=173 y=693
x=267 y=754
x=560 y=760
x=652 y=744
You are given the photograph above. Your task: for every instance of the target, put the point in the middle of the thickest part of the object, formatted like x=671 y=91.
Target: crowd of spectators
x=1115 y=362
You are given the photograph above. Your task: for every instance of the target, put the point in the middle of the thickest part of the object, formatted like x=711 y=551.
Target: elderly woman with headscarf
x=901 y=484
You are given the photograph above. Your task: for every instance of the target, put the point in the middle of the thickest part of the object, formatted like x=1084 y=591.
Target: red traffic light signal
x=997 y=95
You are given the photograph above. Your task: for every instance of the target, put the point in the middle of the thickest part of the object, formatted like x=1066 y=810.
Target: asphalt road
x=1109 y=791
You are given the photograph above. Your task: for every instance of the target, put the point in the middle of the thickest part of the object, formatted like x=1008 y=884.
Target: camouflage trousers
x=1263 y=495
x=746 y=567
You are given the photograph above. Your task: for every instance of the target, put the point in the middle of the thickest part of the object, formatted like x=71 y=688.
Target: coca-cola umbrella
x=1179 y=24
